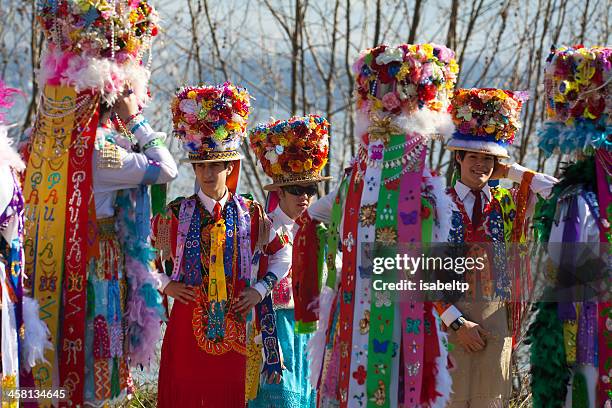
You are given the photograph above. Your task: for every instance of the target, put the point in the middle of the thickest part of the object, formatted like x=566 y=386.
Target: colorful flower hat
x=486 y=120
x=211 y=121
x=578 y=85
x=292 y=151
x=405 y=78
x=97 y=44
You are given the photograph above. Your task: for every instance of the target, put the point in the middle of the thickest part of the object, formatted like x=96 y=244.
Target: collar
x=463 y=190
x=279 y=217
x=209 y=203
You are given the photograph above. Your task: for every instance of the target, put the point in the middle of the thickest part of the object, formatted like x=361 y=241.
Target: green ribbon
x=322 y=239
x=158 y=199
x=333 y=237
x=382 y=313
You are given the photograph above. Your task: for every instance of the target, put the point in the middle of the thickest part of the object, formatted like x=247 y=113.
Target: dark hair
x=462 y=154
x=225 y=164
x=104 y=108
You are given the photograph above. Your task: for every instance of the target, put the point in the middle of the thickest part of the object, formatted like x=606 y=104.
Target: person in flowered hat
x=95 y=157
x=210 y=238
x=570 y=348
x=293 y=153
x=486 y=122
x=372 y=348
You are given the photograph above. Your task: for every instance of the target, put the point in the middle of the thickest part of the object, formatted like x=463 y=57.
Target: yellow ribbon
x=216 y=271
x=570 y=334
x=45 y=226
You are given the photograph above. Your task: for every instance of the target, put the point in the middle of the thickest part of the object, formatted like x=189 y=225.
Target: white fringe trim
x=444 y=207
x=8 y=155
x=316 y=344
x=444 y=381
x=101 y=75
x=36 y=339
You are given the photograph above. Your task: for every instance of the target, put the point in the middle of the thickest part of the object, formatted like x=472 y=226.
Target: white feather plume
x=36 y=338
x=8 y=155
x=424 y=122
x=316 y=344
x=101 y=75
x=443 y=378
x=444 y=207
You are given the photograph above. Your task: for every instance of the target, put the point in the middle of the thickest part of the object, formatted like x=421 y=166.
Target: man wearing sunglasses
x=292 y=153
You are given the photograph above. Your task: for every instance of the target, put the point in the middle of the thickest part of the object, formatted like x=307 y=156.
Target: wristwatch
x=456 y=325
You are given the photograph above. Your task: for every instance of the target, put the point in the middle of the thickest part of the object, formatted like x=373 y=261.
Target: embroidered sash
x=381 y=349
x=346 y=294
x=365 y=236
x=412 y=311
x=45 y=189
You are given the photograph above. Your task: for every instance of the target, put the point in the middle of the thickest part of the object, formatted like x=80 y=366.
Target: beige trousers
x=483 y=379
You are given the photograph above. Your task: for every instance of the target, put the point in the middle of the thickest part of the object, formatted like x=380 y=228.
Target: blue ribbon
x=231 y=217
x=269 y=336
x=193 y=264
x=151 y=173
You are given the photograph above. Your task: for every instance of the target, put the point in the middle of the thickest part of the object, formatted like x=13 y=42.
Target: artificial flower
x=391 y=101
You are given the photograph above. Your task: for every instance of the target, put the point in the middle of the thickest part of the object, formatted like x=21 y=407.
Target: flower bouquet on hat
x=578 y=85
x=412 y=83
x=211 y=121
x=97 y=45
x=292 y=151
x=486 y=120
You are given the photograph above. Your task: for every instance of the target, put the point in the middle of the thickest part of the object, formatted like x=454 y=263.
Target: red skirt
x=190 y=377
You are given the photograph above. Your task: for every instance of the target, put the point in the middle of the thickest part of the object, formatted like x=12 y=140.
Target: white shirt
x=106 y=182
x=282 y=223
x=467 y=197
x=540 y=184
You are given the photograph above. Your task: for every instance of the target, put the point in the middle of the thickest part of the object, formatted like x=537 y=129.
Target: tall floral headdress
x=578 y=85
x=292 y=151
x=211 y=121
x=486 y=119
x=413 y=82
x=97 y=45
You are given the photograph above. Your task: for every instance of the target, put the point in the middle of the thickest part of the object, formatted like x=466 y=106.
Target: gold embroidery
x=110 y=157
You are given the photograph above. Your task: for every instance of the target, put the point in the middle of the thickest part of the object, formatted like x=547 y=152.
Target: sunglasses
x=301 y=190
